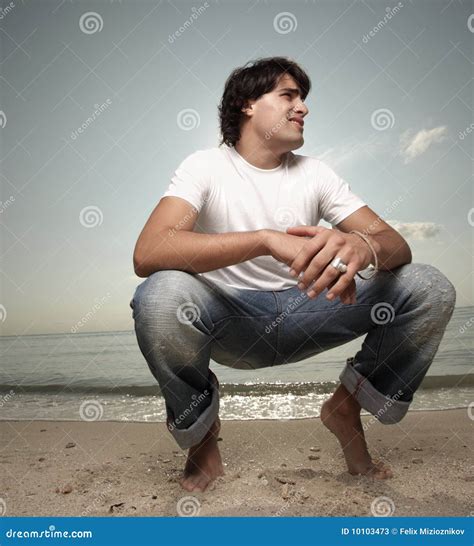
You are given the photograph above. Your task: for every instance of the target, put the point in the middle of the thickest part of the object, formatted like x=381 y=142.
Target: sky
x=101 y=101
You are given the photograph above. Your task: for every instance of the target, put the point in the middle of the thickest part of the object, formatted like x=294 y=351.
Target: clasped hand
x=309 y=251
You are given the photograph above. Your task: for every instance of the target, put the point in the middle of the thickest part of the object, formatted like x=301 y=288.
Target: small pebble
x=417 y=461
x=284 y=480
x=70 y=444
x=316 y=449
x=313 y=457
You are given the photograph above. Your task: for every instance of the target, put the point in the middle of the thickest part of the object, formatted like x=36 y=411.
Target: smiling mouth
x=296 y=123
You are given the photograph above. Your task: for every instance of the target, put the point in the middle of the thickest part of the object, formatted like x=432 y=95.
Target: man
x=227 y=281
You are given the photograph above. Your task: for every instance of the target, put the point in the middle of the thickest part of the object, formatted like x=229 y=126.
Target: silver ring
x=339 y=264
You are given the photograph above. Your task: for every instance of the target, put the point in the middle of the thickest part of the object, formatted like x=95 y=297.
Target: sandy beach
x=273 y=468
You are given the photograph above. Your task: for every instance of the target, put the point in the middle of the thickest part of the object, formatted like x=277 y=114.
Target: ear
x=247 y=108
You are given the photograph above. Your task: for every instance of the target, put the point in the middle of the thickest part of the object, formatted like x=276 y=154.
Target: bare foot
x=341 y=415
x=204 y=463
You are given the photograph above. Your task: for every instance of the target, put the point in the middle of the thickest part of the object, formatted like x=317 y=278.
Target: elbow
x=139 y=266
x=409 y=256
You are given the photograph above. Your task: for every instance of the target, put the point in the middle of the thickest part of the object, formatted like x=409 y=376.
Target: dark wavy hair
x=250 y=82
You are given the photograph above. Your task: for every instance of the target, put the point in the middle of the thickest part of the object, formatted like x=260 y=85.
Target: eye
x=286 y=95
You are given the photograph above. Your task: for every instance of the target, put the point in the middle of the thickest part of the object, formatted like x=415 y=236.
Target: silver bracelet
x=375 y=267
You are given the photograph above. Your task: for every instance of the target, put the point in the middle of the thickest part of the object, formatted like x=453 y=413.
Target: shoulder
x=202 y=161
x=202 y=157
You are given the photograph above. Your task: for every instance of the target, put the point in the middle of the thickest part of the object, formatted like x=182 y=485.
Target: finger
x=345 y=298
x=305 y=230
x=306 y=255
x=328 y=275
x=319 y=262
x=343 y=282
x=349 y=293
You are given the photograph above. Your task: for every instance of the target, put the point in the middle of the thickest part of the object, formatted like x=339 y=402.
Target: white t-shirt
x=231 y=195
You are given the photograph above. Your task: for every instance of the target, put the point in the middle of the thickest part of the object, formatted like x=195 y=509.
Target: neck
x=258 y=154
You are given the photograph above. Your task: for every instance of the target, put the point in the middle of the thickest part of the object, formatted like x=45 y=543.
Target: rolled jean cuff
x=386 y=409
x=192 y=435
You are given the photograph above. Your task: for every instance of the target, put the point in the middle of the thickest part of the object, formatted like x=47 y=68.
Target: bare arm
x=391 y=248
x=168 y=242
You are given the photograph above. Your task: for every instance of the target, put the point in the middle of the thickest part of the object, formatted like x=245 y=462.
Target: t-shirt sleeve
x=190 y=181
x=336 y=199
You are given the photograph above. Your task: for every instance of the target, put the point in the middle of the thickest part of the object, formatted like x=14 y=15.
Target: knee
x=163 y=290
x=427 y=282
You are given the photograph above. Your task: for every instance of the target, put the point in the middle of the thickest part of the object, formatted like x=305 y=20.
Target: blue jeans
x=182 y=320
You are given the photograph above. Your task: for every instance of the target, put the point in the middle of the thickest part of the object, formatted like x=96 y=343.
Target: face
x=277 y=117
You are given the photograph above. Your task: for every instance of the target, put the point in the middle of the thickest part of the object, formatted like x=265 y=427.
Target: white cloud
x=416 y=230
x=412 y=146
x=350 y=151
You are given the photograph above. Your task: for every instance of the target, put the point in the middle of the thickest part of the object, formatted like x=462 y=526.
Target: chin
x=295 y=144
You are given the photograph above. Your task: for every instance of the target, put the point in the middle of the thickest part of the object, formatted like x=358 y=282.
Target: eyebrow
x=291 y=90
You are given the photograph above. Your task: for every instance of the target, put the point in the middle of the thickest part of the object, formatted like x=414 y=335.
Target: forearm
x=391 y=248
x=197 y=252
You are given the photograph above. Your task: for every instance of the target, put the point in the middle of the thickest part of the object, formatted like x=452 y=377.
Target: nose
x=301 y=108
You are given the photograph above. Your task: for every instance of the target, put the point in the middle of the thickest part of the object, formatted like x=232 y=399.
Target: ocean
x=89 y=376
